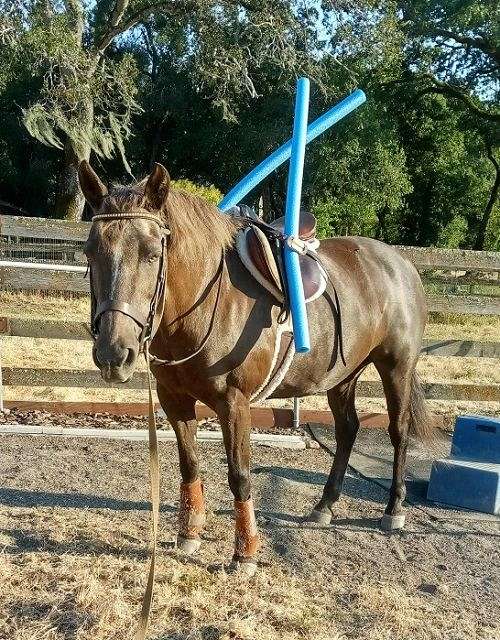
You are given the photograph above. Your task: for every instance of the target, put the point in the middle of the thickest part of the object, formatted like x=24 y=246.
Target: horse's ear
x=93 y=189
x=157 y=186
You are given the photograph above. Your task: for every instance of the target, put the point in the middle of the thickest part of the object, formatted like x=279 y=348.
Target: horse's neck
x=191 y=280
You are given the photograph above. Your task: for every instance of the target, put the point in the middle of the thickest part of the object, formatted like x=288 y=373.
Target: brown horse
x=148 y=233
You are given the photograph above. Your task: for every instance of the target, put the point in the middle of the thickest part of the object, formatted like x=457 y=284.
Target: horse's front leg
x=235 y=420
x=181 y=414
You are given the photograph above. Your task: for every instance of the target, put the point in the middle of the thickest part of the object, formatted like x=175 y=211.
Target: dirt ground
x=74 y=527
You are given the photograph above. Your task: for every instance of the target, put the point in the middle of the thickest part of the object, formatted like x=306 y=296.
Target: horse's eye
x=153 y=257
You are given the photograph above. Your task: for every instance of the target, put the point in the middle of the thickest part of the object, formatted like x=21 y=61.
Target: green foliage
x=209 y=193
x=206 y=87
x=362 y=178
x=92 y=109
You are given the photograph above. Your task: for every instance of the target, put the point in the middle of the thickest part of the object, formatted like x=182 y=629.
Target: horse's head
x=126 y=253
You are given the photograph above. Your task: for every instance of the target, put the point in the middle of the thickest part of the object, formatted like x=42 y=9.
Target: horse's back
x=388 y=284
x=375 y=269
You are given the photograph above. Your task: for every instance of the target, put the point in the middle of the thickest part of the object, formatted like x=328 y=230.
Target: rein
x=172 y=363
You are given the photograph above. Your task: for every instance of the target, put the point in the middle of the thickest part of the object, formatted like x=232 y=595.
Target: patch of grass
x=23 y=304
x=87 y=596
x=446 y=326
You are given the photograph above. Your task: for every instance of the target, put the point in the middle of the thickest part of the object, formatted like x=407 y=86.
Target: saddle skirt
x=256 y=254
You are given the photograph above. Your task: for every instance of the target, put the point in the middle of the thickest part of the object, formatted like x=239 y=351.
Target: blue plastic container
x=470 y=478
x=476 y=438
x=467 y=484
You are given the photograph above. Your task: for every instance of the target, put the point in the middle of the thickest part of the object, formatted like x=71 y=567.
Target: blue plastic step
x=476 y=438
x=467 y=484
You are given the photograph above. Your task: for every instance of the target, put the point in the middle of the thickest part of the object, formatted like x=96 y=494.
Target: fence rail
x=91 y=379
x=50 y=329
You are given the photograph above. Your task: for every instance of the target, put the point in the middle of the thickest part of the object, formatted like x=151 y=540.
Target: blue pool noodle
x=281 y=155
x=292 y=213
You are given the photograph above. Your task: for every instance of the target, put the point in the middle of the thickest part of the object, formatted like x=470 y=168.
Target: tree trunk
x=483 y=224
x=69 y=200
x=380 y=229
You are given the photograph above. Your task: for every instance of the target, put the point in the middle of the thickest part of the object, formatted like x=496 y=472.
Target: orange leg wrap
x=191 y=510
x=247 y=539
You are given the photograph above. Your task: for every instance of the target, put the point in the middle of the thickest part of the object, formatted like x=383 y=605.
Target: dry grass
x=19 y=304
x=445 y=326
x=92 y=591
x=69 y=573
x=87 y=596
x=96 y=596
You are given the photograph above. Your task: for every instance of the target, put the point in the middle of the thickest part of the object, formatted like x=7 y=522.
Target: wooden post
x=296 y=413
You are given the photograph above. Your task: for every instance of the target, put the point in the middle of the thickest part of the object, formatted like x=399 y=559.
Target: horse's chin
x=117 y=374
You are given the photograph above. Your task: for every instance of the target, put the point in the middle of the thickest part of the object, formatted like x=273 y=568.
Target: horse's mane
x=195 y=224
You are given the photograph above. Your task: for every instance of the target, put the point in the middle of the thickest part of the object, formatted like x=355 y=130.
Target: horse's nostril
x=130 y=357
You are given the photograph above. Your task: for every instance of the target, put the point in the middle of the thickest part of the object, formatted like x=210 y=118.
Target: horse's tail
x=421 y=423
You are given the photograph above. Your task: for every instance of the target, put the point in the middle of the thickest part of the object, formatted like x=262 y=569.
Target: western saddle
x=259 y=246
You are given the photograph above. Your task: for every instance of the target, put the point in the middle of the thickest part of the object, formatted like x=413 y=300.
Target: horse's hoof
x=244 y=569
x=188 y=545
x=392 y=523
x=319 y=517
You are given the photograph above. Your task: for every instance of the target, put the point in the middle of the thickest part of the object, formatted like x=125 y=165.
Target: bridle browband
x=150 y=322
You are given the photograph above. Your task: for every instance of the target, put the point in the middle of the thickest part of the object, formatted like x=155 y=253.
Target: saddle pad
x=256 y=254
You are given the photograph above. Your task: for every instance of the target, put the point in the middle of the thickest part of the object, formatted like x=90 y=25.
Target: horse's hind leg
x=341 y=401
x=396 y=375
x=180 y=411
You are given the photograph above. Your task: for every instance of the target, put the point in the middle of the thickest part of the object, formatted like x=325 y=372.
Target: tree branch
x=483 y=224
x=121 y=25
x=449 y=90
x=153 y=51
x=483 y=44
x=77 y=14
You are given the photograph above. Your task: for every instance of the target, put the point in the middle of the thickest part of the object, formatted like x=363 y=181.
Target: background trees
x=206 y=87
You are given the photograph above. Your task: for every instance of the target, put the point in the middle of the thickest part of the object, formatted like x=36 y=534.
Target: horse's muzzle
x=116 y=362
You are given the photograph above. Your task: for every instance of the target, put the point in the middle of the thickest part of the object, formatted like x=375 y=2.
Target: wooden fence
x=456 y=281
x=465 y=282
x=34 y=328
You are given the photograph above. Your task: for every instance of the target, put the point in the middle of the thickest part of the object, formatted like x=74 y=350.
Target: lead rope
x=154 y=471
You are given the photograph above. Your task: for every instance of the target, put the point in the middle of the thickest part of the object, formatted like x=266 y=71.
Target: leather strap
x=131 y=215
x=155 y=506
x=172 y=363
x=123 y=307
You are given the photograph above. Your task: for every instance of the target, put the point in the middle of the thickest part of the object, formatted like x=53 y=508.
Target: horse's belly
x=324 y=367
x=318 y=371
